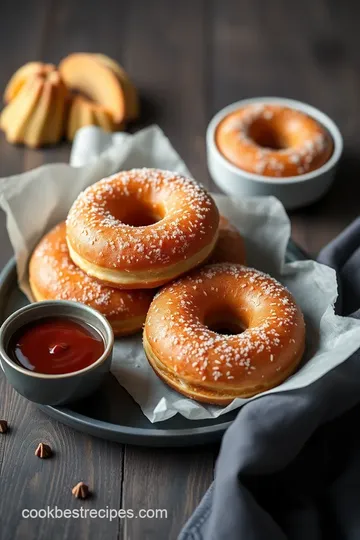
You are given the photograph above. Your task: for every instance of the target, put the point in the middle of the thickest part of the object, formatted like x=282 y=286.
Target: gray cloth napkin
x=289 y=465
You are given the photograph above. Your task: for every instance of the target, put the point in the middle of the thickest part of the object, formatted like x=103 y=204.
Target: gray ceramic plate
x=111 y=413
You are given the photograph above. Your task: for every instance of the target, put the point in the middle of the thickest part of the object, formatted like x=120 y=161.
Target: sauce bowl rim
x=302 y=106
x=107 y=336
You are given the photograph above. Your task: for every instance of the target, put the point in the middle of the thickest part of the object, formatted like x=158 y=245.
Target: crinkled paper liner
x=35 y=201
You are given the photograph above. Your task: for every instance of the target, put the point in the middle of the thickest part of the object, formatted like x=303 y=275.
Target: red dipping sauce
x=56 y=345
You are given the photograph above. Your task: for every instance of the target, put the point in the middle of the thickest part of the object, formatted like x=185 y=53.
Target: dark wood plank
x=162 y=46
x=307 y=53
x=21 y=40
x=163 y=479
x=336 y=80
x=21 y=37
x=34 y=483
x=167 y=56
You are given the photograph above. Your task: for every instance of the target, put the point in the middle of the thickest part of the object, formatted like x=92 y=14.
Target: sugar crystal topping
x=65 y=281
x=302 y=156
x=187 y=208
x=178 y=327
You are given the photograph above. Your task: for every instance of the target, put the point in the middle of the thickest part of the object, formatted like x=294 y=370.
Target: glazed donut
x=271 y=140
x=184 y=337
x=141 y=228
x=53 y=276
x=230 y=246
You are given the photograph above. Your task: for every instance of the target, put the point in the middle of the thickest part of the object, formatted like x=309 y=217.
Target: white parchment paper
x=37 y=200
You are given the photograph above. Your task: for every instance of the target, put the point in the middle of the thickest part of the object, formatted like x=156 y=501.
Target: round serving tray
x=111 y=413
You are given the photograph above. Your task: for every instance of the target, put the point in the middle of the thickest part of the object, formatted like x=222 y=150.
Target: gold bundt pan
x=45 y=103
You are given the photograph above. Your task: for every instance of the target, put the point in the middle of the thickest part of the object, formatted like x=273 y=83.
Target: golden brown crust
x=146 y=279
x=272 y=140
x=35 y=112
x=212 y=367
x=108 y=238
x=230 y=245
x=53 y=276
x=214 y=396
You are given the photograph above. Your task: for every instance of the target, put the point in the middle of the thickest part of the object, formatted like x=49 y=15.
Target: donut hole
x=265 y=134
x=225 y=322
x=137 y=213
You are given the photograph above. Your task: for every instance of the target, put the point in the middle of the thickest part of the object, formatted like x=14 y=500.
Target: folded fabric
x=289 y=465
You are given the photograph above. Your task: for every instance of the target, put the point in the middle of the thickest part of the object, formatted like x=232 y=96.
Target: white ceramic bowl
x=292 y=191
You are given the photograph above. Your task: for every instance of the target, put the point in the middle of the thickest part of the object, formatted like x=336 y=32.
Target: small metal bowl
x=56 y=389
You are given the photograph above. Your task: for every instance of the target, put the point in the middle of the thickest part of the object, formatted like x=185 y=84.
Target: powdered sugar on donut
x=176 y=325
x=53 y=272
x=312 y=149
x=188 y=223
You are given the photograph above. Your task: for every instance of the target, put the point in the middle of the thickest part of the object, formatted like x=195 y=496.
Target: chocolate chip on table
x=43 y=451
x=4 y=427
x=80 y=491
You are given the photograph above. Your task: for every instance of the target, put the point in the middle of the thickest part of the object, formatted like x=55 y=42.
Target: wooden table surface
x=188 y=59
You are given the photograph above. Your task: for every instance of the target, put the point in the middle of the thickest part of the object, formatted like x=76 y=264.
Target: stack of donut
x=215 y=329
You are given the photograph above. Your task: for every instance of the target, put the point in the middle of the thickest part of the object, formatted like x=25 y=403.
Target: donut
x=224 y=331
x=230 y=246
x=272 y=140
x=141 y=228
x=53 y=276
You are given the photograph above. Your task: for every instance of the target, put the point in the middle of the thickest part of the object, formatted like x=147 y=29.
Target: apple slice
x=131 y=96
x=85 y=74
